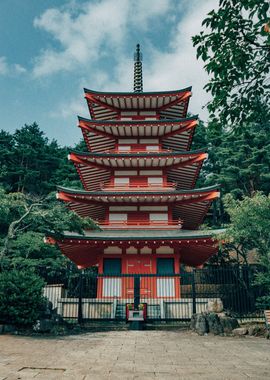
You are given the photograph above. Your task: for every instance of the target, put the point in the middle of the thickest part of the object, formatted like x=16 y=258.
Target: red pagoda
x=139 y=178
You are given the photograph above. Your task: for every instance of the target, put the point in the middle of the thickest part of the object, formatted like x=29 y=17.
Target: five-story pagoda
x=139 y=176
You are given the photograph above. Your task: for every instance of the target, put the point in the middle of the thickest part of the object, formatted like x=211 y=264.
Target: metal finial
x=138 y=77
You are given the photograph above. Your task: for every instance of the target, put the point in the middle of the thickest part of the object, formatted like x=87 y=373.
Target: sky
x=51 y=49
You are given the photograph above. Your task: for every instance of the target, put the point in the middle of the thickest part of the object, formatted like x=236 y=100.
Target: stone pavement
x=134 y=355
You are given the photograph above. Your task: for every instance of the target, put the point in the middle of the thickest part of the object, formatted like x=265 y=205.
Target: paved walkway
x=134 y=355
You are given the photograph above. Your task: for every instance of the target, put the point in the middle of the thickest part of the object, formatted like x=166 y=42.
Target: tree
x=249 y=231
x=29 y=163
x=240 y=159
x=21 y=297
x=25 y=219
x=236 y=51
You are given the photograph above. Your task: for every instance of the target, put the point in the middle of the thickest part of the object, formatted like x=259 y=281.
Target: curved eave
x=138 y=154
x=147 y=129
x=76 y=247
x=114 y=105
x=122 y=197
x=104 y=193
x=146 y=160
x=135 y=94
x=115 y=123
x=139 y=235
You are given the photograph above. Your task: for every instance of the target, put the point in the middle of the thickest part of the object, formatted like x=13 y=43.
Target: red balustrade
x=137 y=224
x=136 y=186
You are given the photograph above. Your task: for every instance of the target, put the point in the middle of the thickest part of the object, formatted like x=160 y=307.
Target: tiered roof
x=111 y=105
x=174 y=134
x=196 y=246
x=134 y=118
x=189 y=205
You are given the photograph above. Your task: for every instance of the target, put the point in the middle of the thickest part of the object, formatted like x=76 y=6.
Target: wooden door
x=139 y=265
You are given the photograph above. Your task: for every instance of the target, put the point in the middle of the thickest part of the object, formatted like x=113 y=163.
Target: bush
x=20 y=297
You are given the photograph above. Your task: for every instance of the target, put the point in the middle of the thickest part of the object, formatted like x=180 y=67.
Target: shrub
x=20 y=297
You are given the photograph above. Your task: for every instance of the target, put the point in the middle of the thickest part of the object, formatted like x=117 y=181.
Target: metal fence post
x=80 y=314
x=193 y=283
x=136 y=292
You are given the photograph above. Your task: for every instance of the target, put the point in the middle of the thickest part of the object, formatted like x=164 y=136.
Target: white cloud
x=85 y=36
x=101 y=29
x=178 y=67
x=10 y=69
x=72 y=108
x=3 y=66
x=19 y=69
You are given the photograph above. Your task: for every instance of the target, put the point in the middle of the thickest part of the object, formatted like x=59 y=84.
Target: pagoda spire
x=138 y=77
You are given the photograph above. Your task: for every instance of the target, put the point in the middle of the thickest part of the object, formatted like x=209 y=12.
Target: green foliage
x=20 y=297
x=25 y=219
x=29 y=163
x=239 y=159
x=250 y=231
x=235 y=48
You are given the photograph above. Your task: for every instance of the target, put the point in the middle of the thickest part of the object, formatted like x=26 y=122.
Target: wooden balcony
x=138 y=186
x=138 y=150
x=141 y=224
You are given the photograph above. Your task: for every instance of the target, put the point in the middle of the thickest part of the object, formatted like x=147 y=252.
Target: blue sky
x=51 y=49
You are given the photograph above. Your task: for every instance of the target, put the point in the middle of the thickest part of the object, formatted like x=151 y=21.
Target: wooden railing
x=138 y=186
x=138 y=150
x=139 y=224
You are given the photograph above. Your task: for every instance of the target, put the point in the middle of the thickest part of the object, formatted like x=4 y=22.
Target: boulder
x=193 y=321
x=201 y=325
x=228 y=324
x=241 y=331
x=43 y=325
x=46 y=310
x=215 y=306
x=214 y=324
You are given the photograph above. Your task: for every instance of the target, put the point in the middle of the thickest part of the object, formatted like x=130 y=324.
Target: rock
x=215 y=306
x=228 y=324
x=43 y=325
x=214 y=324
x=201 y=325
x=9 y=328
x=47 y=310
x=240 y=331
x=193 y=321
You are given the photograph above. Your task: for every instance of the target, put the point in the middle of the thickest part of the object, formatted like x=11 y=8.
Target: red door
x=139 y=265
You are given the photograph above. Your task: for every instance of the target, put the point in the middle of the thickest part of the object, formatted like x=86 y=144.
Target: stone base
x=136 y=325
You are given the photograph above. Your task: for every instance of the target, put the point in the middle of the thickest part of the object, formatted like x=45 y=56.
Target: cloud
x=84 y=36
x=10 y=69
x=3 y=66
x=177 y=67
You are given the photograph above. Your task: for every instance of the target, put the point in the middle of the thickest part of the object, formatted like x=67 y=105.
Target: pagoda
x=139 y=178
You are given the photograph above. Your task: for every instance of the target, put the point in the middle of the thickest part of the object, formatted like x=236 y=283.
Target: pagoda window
x=121 y=181
x=124 y=148
x=117 y=217
x=127 y=141
x=112 y=266
x=159 y=217
x=153 y=208
x=165 y=266
x=125 y=173
x=124 y=208
x=151 y=172
x=149 y=141
x=155 y=180
x=152 y=147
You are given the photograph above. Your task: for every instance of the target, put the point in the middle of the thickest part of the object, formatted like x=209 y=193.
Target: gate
x=85 y=296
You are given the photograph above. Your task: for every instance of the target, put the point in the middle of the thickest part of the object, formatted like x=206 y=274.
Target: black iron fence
x=86 y=295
